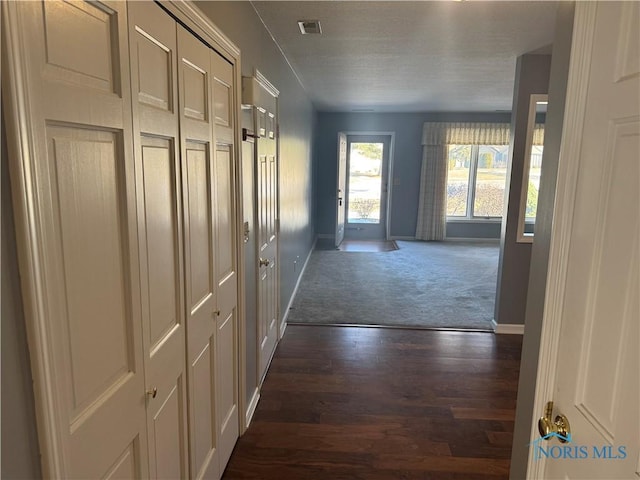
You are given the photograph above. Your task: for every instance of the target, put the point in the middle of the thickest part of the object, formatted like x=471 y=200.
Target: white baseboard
x=507 y=328
x=401 y=237
x=253 y=404
x=283 y=322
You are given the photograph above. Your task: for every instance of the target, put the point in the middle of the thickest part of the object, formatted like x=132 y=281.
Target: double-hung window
x=476 y=180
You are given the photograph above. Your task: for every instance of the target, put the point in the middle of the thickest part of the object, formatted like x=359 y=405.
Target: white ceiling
x=410 y=56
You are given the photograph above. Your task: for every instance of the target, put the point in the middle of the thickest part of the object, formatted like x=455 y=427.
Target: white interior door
x=75 y=196
x=342 y=188
x=267 y=198
x=596 y=376
x=198 y=183
x=156 y=140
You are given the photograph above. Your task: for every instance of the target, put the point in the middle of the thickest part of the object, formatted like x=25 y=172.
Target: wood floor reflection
x=374 y=403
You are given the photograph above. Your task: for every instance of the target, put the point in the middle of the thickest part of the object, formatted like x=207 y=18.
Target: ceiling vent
x=309 y=27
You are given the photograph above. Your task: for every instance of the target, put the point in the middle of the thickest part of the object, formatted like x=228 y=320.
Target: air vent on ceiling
x=309 y=26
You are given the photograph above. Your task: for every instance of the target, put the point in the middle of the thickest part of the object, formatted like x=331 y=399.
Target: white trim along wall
x=507 y=328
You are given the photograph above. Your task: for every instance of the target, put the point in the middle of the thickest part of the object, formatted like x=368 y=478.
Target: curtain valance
x=472 y=133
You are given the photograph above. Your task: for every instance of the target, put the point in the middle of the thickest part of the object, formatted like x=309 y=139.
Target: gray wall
x=407 y=160
x=481 y=229
x=20 y=457
x=239 y=21
x=541 y=246
x=532 y=76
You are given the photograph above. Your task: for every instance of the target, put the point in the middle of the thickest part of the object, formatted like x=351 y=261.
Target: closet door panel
x=154 y=69
x=196 y=132
x=222 y=90
x=153 y=46
x=73 y=181
x=226 y=257
x=226 y=224
x=162 y=239
x=200 y=227
x=227 y=322
x=202 y=394
x=88 y=173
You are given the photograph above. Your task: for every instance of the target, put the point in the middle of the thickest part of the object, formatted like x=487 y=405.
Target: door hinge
x=246 y=232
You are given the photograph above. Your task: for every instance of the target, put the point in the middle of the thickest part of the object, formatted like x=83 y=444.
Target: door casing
x=341 y=192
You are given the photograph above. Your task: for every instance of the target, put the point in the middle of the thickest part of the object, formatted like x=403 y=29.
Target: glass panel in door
x=367 y=187
x=365 y=183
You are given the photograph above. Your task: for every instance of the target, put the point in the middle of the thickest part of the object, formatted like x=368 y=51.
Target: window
x=533 y=184
x=476 y=180
x=458 y=180
x=532 y=168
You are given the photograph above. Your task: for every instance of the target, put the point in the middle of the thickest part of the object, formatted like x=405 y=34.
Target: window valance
x=472 y=133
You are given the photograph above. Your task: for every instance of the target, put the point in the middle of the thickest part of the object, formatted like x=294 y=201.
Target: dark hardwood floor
x=377 y=403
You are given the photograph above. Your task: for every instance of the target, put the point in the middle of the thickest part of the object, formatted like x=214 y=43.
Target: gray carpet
x=423 y=284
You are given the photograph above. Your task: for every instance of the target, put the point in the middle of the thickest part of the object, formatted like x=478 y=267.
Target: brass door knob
x=264 y=262
x=558 y=426
x=153 y=392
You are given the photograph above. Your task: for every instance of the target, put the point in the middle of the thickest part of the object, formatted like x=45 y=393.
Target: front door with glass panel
x=367 y=185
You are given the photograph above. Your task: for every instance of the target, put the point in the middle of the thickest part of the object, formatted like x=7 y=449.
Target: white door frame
x=392 y=142
x=341 y=184
x=566 y=186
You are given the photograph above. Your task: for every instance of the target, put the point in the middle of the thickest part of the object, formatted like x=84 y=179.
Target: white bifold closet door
x=154 y=76
x=128 y=238
x=185 y=88
x=79 y=235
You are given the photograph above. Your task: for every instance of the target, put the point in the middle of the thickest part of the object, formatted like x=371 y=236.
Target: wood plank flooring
x=376 y=403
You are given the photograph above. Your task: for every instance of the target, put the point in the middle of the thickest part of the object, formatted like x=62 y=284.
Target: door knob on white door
x=559 y=425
